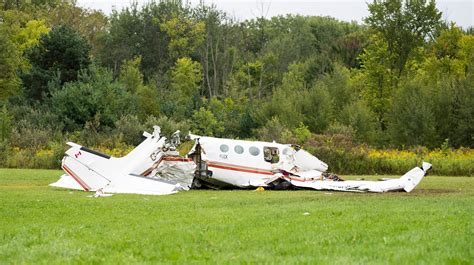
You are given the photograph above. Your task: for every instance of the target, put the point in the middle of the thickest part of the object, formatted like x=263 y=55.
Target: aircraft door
x=271 y=154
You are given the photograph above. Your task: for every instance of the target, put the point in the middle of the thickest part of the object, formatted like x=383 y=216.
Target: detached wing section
x=405 y=183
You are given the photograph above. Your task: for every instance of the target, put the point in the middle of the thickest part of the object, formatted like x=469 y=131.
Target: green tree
x=5 y=124
x=376 y=80
x=27 y=37
x=9 y=62
x=95 y=98
x=404 y=26
x=185 y=79
x=448 y=71
x=130 y=75
x=203 y=122
x=286 y=99
x=184 y=34
x=62 y=53
x=358 y=116
x=317 y=108
x=147 y=95
x=89 y=23
x=272 y=130
x=411 y=119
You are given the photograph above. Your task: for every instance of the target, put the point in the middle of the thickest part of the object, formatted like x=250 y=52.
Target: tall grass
x=342 y=156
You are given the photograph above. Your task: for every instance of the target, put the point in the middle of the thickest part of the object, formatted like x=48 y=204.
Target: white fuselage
x=250 y=163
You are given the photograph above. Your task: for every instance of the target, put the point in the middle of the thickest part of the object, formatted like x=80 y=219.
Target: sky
x=459 y=11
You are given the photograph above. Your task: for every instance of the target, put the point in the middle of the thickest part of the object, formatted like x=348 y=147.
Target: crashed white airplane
x=154 y=167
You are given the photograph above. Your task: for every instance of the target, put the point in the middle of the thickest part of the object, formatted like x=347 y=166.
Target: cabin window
x=271 y=154
x=254 y=151
x=224 y=148
x=238 y=149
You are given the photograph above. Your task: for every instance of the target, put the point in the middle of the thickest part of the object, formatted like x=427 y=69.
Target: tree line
x=402 y=78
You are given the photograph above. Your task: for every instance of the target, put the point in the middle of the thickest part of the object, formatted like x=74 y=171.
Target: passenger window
x=254 y=151
x=238 y=149
x=271 y=154
x=224 y=148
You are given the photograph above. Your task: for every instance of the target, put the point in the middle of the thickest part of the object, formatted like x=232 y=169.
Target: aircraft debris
x=154 y=167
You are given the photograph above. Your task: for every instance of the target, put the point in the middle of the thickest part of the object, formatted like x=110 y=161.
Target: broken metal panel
x=176 y=170
x=306 y=161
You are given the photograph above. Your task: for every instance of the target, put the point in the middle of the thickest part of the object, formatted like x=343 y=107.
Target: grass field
x=41 y=224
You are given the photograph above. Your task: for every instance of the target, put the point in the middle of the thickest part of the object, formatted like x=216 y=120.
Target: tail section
x=90 y=170
x=413 y=177
x=407 y=182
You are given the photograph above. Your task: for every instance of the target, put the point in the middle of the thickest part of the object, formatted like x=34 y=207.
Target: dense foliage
x=402 y=79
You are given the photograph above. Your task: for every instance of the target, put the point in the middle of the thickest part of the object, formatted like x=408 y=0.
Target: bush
x=167 y=125
x=204 y=122
x=130 y=129
x=343 y=157
x=34 y=127
x=93 y=95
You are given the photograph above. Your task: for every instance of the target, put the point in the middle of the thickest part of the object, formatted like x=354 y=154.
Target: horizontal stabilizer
x=141 y=185
x=67 y=182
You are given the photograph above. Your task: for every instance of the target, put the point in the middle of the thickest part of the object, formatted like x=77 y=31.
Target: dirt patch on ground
x=436 y=191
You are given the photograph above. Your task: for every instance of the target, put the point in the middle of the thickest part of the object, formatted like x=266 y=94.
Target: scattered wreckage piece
x=155 y=168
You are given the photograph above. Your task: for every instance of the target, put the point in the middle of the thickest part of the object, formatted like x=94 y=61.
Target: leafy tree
x=273 y=130
x=95 y=97
x=339 y=87
x=167 y=125
x=148 y=101
x=9 y=62
x=203 y=122
x=5 y=124
x=27 y=37
x=90 y=24
x=35 y=127
x=302 y=133
x=138 y=32
x=448 y=71
x=358 y=116
x=317 y=107
x=130 y=129
x=403 y=25
x=130 y=75
x=62 y=53
x=185 y=79
x=219 y=51
x=376 y=79
x=286 y=99
x=411 y=119
x=124 y=38
x=184 y=35
x=230 y=112
x=147 y=96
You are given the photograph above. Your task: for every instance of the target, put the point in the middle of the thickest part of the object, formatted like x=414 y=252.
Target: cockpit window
x=238 y=149
x=254 y=151
x=271 y=154
x=224 y=148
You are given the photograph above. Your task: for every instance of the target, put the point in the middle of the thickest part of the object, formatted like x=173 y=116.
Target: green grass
x=41 y=224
